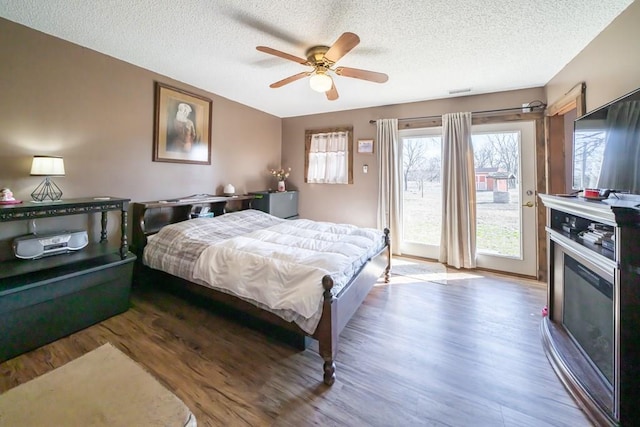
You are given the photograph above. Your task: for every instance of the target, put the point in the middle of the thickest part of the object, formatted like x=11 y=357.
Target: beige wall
x=97 y=112
x=356 y=203
x=609 y=65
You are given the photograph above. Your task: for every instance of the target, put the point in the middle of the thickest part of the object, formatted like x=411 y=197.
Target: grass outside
x=498 y=230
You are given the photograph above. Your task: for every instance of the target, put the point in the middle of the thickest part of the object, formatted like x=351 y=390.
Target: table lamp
x=47 y=166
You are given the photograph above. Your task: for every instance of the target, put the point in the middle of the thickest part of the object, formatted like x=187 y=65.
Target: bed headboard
x=149 y=217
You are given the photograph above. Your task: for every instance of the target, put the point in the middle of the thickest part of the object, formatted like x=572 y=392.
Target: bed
x=241 y=251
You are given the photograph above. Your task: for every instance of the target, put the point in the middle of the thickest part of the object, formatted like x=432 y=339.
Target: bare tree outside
x=498 y=150
x=413 y=155
x=421 y=160
x=483 y=157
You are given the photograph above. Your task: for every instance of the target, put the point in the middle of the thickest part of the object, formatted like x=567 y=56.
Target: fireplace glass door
x=588 y=314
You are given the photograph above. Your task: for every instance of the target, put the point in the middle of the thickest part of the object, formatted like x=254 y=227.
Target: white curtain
x=389 y=180
x=458 y=238
x=328 y=158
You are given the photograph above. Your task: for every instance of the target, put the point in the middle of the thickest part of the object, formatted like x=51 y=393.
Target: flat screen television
x=606 y=147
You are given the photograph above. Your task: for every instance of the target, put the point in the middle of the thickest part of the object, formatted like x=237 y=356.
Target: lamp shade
x=320 y=82
x=47 y=166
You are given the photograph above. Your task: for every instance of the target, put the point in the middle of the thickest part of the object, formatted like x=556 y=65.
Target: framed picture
x=182 y=131
x=365 y=146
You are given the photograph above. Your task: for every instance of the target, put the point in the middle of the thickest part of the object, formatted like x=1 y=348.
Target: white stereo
x=34 y=246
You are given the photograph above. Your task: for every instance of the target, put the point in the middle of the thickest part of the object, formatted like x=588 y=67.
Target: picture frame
x=182 y=126
x=365 y=146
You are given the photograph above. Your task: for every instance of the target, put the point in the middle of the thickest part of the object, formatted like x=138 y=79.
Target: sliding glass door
x=505 y=179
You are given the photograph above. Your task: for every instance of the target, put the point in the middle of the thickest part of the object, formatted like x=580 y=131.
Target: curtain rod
x=533 y=105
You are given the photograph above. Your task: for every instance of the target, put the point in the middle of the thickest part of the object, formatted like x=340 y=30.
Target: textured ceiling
x=428 y=48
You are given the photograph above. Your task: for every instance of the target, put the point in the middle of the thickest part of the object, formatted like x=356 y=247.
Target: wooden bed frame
x=149 y=217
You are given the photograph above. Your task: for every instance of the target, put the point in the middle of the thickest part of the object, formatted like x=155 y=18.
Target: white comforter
x=282 y=266
x=273 y=263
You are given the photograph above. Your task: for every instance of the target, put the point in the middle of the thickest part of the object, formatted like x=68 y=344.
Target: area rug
x=102 y=388
x=420 y=270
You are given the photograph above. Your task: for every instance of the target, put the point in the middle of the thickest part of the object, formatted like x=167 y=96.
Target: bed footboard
x=338 y=310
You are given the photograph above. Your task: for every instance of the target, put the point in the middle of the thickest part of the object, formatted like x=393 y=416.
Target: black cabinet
x=45 y=299
x=283 y=204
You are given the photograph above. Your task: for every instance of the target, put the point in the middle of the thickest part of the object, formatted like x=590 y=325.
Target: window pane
x=422 y=198
x=497 y=164
x=588 y=150
x=328 y=158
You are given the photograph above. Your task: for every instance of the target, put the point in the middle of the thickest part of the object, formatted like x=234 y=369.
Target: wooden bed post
x=327 y=333
x=387 y=241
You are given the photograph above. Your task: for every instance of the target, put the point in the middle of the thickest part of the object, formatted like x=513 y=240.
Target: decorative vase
x=281 y=186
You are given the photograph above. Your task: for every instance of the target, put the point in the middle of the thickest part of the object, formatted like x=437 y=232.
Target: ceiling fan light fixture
x=322 y=60
x=320 y=82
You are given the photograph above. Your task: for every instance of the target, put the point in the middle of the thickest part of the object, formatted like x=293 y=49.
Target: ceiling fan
x=323 y=59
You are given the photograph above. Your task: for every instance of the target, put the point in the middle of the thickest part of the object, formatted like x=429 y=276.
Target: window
x=328 y=156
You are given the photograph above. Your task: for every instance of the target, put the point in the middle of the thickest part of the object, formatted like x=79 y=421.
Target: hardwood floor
x=463 y=350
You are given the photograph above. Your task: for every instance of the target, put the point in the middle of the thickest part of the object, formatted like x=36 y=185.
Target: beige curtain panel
x=458 y=238
x=389 y=179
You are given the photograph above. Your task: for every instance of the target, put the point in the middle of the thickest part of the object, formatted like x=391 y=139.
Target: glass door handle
x=528 y=204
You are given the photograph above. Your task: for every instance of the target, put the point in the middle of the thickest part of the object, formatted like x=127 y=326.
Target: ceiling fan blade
x=355 y=73
x=283 y=55
x=342 y=46
x=289 y=79
x=332 y=94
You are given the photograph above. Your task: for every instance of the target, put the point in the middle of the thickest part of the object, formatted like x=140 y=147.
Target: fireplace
x=584 y=320
x=591 y=333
